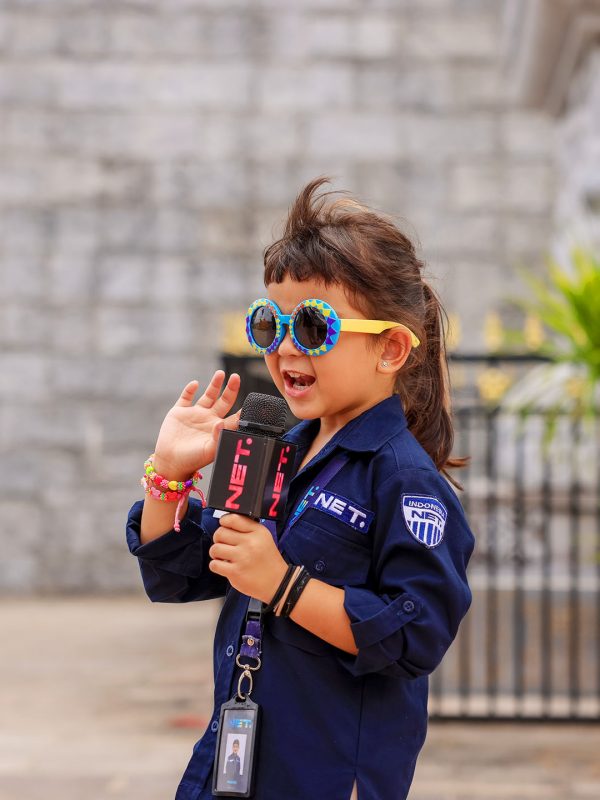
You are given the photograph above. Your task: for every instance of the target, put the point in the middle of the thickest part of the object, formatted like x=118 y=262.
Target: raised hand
x=188 y=436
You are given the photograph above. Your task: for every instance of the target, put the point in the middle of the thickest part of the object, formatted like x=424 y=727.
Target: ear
x=396 y=345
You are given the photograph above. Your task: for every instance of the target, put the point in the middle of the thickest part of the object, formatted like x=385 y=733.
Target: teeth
x=299 y=380
x=296 y=374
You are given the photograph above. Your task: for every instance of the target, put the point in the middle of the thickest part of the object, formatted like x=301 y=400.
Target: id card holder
x=236 y=752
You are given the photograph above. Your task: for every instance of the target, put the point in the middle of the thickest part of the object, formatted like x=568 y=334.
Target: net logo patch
x=338 y=506
x=425 y=518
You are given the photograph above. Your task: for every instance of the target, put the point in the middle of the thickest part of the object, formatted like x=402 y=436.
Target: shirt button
x=320 y=566
x=229 y=650
x=408 y=606
x=214 y=726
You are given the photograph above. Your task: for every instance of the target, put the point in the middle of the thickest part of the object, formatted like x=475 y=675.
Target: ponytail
x=424 y=388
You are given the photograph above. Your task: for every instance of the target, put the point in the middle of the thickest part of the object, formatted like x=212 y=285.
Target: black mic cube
x=251 y=475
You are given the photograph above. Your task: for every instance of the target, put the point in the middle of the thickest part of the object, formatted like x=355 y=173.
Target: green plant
x=568 y=305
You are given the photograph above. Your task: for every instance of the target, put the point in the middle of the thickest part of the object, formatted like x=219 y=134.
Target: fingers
x=224 y=404
x=237 y=522
x=223 y=552
x=227 y=536
x=211 y=393
x=210 y=398
x=221 y=567
x=224 y=546
x=186 y=398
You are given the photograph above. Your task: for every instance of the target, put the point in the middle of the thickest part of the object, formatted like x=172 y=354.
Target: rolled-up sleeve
x=174 y=566
x=405 y=623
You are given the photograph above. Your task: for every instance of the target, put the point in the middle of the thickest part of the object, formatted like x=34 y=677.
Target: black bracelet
x=295 y=592
x=280 y=589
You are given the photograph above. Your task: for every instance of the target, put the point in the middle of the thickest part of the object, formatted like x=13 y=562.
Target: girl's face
x=336 y=386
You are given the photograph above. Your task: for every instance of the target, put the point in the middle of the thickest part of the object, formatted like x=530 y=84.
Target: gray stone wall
x=578 y=137
x=147 y=150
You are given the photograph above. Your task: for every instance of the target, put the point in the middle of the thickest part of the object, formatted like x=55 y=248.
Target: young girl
x=379 y=531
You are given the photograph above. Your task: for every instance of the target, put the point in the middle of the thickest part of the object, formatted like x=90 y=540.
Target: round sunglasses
x=314 y=326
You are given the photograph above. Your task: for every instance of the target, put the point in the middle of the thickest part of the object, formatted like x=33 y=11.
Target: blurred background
x=148 y=154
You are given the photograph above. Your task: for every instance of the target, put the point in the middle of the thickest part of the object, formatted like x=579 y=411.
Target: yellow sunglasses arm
x=374 y=326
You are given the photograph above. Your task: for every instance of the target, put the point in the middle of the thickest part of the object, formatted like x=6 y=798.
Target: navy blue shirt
x=390 y=531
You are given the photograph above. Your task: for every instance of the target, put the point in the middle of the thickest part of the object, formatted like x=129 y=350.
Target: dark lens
x=263 y=326
x=310 y=327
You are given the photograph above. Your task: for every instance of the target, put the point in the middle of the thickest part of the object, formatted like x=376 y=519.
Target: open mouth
x=297 y=381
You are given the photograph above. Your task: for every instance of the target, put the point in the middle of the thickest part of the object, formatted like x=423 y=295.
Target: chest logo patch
x=338 y=506
x=425 y=518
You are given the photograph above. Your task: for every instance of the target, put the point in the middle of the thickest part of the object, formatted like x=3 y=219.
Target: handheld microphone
x=253 y=466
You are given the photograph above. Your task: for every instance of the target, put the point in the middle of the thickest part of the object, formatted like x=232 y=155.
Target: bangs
x=301 y=258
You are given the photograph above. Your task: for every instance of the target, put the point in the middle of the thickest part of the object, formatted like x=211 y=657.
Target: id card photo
x=233 y=761
x=233 y=764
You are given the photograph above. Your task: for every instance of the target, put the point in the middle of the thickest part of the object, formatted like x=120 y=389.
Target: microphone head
x=263 y=414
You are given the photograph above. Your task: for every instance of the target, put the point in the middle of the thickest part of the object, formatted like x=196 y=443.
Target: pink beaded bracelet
x=164 y=483
x=170 y=491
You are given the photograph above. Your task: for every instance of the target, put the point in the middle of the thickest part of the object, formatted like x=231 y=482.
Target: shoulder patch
x=425 y=518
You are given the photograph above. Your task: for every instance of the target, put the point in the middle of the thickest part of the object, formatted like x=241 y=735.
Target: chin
x=303 y=410
x=301 y=414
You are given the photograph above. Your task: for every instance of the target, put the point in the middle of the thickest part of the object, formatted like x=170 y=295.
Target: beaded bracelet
x=163 y=483
x=172 y=491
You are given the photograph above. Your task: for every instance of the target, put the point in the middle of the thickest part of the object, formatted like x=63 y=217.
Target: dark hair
x=236 y=741
x=331 y=237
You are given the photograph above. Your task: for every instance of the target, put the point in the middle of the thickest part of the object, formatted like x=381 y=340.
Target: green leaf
x=567 y=302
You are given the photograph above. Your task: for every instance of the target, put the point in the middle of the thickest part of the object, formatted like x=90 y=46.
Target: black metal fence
x=530 y=646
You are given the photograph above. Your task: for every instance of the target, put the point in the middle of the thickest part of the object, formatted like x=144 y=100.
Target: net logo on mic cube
x=251 y=475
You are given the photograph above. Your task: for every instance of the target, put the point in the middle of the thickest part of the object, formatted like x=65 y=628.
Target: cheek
x=272 y=363
x=349 y=355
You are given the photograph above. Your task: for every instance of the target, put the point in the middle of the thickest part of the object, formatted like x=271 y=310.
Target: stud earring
x=384 y=364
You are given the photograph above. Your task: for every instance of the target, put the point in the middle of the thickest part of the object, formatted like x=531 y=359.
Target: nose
x=287 y=346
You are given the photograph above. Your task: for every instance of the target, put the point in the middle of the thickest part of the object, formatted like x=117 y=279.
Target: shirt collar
x=365 y=433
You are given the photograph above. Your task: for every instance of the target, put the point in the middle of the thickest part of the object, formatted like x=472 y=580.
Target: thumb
x=232 y=422
x=217 y=428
